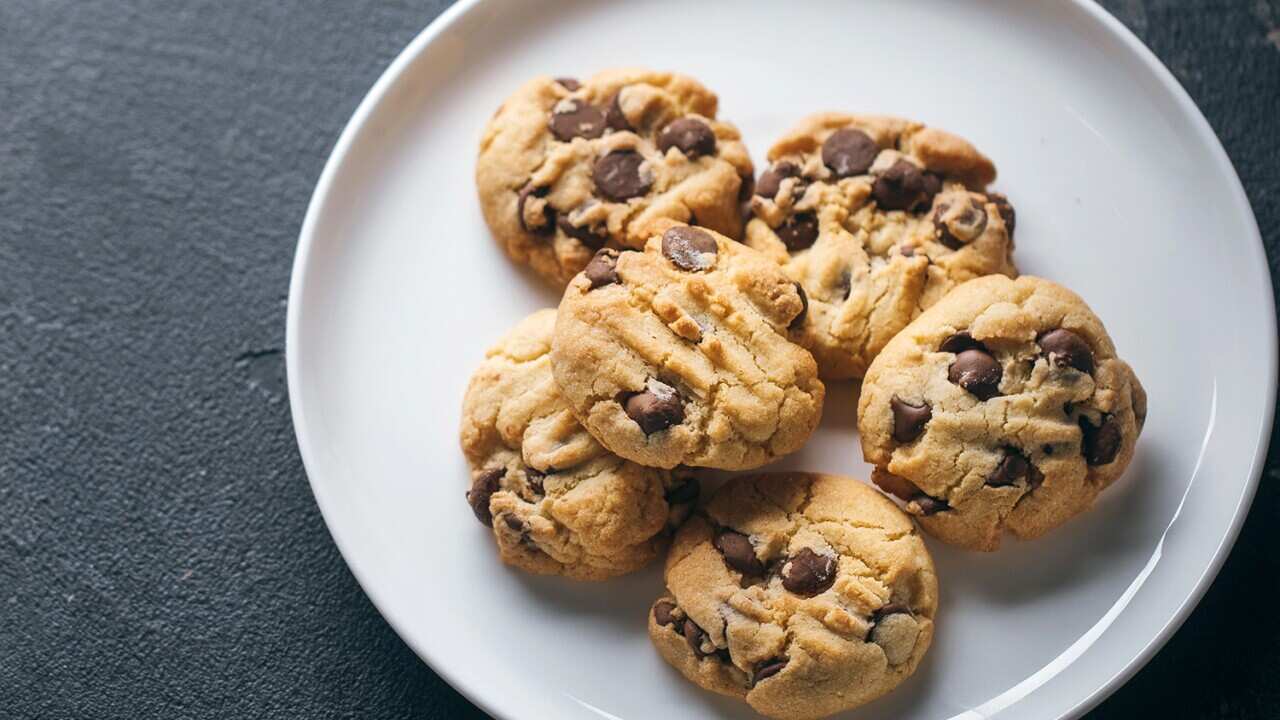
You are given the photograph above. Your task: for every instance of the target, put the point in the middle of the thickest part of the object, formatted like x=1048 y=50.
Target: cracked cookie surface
x=568 y=167
x=804 y=594
x=1002 y=407
x=557 y=502
x=678 y=354
x=877 y=217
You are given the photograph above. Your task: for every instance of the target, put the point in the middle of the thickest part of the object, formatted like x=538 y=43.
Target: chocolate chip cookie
x=877 y=218
x=805 y=594
x=569 y=167
x=1002 y=407
x=678 y=353
x=558 y=502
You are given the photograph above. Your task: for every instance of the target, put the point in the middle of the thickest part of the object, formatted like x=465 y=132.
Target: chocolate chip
x=738 y=553
x=976 y=371
x=1065 y=348
x=568 y=83
x=799 y=231
x=689 y=248
x=619 y=175
x=576 y=118
x=771 y=179
x=1013 y=467
x=808 y=573
x=695 y=636
x=483 y=487
x=656 y=408
x=746 y=189
x=584 y=234
x=613 y=115
x=845 y=285
x=1005 y=209
x=768 y=669
x=690 y=135
x=895 y=485
x=663 y=612
x=547 y=224
x=909 y=420
x=901 y=187
x=513 y=522
x=929 y=505
x=892 y=608
x=849 y=152
x=932 y=186
x=603 y=268
x=798 y=320
x=533 y=478
x=957 y=229
x=959 y=342
x=1101 y=443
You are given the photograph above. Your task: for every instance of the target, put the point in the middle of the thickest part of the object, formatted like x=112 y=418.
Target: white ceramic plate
x=1123 y=193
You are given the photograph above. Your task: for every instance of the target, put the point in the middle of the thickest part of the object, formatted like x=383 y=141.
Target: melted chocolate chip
x=849 y=152
x=603 y=268
x=1005 y=209
x=695 y=636
x=798 y=320
x=614 y=117
x=929 y=505
x=892 y=608
x=691 y=136
x=620 y=175
x=576 y=118
x=533 y=479
x=901 y=187
x=771 y=179
x=808 y=573
x=768 y=669
x=546 y=224
x=738 y=552
x=483 y=486
x=1067 y=349
x=908 y=419
x=978 y=372
x=656 y=408
x=1101 y=443
x=689 y=248
x=664 y=612
x=895 y=485
x=957 y=229
x=584 y=234
x=513 y=522
x=1014 y=466
x=960 y=342
x=799 y=231
x=568 y=83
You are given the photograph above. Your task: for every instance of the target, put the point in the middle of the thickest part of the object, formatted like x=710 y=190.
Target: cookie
x=877 y=218
x=558 y=503
x=1002 y=407
x=677 y=354
x=569 y=167
x=805 y=594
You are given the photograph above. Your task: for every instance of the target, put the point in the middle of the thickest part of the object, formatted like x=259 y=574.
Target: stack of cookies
x=702 y=310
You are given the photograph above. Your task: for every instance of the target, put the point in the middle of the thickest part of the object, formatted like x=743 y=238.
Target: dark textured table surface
x=160 y=552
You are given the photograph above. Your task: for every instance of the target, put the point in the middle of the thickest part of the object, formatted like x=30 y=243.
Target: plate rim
x=1093 y=11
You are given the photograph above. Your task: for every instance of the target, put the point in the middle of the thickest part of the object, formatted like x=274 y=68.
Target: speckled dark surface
x=160 y=552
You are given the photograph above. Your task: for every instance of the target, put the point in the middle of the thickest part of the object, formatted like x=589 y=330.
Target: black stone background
x=160 y=552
